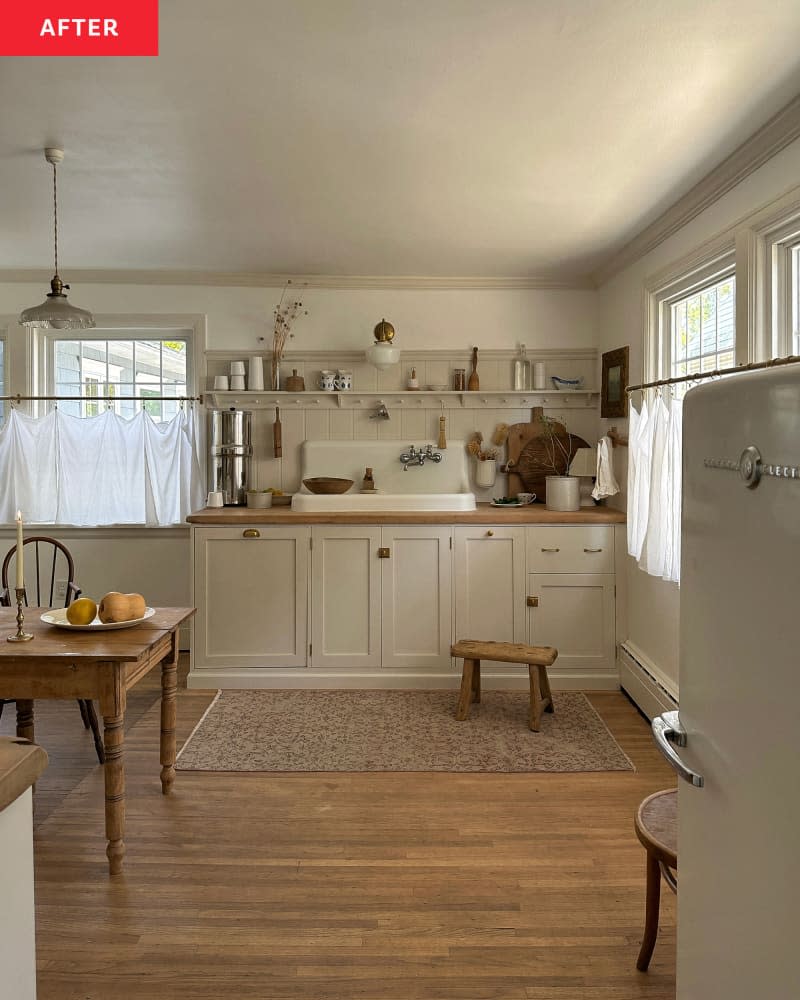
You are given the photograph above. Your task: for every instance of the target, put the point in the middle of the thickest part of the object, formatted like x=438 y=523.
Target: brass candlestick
x=20 y=635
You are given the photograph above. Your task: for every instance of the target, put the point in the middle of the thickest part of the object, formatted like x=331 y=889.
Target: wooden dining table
x=101 y=665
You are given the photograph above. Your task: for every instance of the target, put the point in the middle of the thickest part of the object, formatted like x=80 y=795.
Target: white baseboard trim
x=492 y=678
x=644 y=682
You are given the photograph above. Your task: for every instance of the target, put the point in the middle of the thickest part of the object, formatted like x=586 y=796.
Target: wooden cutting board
x=532 y=456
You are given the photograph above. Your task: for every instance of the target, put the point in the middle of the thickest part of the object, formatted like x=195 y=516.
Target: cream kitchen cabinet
x=251 y=593
x=571 y=600
x=490 y=595
x=381 y=597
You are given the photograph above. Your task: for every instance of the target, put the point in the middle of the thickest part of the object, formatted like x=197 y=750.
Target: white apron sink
x=310 y=502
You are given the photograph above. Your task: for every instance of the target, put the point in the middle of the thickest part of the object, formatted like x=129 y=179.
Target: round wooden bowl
x=327 y=485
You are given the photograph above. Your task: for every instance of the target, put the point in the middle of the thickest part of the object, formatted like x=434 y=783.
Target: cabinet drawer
x=580 y=548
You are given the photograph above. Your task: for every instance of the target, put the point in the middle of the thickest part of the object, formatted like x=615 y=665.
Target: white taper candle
x=20 y=571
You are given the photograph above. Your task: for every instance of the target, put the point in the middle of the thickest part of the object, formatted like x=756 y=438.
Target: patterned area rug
x=396 y=731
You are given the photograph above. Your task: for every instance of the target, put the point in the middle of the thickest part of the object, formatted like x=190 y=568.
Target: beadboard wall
x=412 y=421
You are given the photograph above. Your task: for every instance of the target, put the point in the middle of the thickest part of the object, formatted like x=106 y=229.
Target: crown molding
x=338 y=358
x=247 y=279
x=778 y=133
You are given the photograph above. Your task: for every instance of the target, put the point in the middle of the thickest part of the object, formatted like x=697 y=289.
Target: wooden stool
x=657 y=828
x=538 y=658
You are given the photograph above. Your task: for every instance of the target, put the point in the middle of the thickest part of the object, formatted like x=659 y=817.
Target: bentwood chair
x=52 y=562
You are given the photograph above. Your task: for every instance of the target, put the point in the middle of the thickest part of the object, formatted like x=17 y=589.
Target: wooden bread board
x=530 y=451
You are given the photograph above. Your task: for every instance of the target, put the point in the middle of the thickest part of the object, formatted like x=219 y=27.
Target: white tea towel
x=606 y=484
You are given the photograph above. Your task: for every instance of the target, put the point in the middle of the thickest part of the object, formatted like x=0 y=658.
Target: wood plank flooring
x=342 y=886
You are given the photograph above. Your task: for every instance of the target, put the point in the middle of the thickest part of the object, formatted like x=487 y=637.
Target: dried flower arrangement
x=555 y=447
x=476 y=449
x=285 y=312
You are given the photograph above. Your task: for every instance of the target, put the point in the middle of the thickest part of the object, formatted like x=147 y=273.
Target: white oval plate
x=59 y=618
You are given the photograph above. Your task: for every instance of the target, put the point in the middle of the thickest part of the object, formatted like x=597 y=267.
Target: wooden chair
x=52 y=561
x=656 y=827
x=537 y=658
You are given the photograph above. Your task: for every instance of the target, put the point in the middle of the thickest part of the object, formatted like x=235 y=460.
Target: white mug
x=237 y=367
x=344 y=381
x=221 y=382
x=216 y=498
x=237 y=382
x=526 y=497
x=327 y=381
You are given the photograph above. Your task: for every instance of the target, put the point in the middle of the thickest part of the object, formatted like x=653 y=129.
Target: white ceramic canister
x=539 y=379
x=485 y=472
x=563 y=492
x=255 y=373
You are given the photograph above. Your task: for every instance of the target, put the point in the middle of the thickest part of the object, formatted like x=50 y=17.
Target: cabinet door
x=490 y=584
x=346 y=597
x=574 y=613
x=417 y=597
x=251 y=592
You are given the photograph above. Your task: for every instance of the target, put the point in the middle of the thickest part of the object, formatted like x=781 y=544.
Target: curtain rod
x=698 y=376
x=103 y=399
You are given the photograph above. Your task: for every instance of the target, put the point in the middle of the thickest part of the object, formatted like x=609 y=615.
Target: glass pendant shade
x=55 y=313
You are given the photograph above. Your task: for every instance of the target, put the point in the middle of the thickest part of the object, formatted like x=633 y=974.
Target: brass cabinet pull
x=592 y=550
x=490 y=533
x=251 y=533
x=384 y=553
x=551 y=550
x=532 y=602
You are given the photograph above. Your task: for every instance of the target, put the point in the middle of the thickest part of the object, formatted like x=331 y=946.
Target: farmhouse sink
x=309 y=502
x=435 y=485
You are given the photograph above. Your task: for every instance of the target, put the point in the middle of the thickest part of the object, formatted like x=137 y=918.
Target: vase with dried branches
x=285 y=313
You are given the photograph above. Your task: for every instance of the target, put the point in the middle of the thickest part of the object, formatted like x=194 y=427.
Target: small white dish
x=437 y=388
x=58 y=617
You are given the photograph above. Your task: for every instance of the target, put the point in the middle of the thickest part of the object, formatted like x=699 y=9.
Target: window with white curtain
x=124 y=450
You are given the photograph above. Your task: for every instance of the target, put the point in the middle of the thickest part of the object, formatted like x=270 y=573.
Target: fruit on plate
x=116 y=607
x=82 y=611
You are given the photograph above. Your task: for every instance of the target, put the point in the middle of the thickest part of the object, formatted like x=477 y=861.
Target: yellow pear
x=82 y=611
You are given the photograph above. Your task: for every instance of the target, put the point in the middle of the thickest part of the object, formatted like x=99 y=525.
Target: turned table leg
x=113 y=710
x=169 y=687
x=25 y=719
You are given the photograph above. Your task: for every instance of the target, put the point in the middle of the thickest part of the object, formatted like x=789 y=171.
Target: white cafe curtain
x=103 y=470
x=654 y=486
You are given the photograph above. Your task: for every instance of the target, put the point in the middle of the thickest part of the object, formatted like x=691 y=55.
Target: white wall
x=653 y=617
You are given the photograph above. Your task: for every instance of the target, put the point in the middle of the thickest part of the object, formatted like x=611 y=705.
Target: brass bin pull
x=532 y=602
x=384 y=553
x=551 y=550
x=490 y=533
x=592 y=550
x=251 y=533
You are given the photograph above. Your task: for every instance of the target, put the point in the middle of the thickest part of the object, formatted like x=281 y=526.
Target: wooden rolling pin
x=277 y=433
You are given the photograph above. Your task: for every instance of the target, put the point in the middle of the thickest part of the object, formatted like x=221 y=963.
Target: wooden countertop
x=21 y=763
x=485 y=514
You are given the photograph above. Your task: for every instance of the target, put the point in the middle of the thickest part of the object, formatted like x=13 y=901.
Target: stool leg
x=476 y=681
x=536 y=698
x=547 y=694
x=465 y=697
x=651 y=913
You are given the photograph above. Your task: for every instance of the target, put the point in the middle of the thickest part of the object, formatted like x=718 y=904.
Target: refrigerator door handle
x=667 y=730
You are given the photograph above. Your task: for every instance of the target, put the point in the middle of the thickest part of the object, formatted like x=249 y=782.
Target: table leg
x=114 y=773
x=25 y=719
x=169 y=686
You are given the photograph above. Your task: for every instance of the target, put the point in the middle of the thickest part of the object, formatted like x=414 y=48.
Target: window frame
x=189 y=329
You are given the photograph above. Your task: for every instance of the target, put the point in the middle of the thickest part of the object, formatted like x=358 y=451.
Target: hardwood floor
x=341 y=886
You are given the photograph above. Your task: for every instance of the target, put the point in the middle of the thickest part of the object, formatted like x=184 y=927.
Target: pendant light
x=383 y=354
x=55 y=312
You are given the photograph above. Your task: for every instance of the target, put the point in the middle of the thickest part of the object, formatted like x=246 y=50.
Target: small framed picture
x=613 y=398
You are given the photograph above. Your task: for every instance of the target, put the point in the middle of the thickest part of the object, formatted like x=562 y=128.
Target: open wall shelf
x=424 y=400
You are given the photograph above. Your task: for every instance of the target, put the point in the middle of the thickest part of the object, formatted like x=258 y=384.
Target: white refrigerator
x=736 y=738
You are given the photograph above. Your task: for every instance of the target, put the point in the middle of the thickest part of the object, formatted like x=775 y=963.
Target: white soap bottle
x=522 y=371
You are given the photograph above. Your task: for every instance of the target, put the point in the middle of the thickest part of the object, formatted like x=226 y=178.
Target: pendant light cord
x=55 y=219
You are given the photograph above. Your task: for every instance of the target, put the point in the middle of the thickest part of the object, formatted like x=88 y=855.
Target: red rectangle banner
x=79 y=28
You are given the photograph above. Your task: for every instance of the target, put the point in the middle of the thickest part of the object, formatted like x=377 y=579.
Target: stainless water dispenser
x=230 y=454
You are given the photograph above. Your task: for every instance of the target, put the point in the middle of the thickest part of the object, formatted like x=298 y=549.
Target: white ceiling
x=368 y=137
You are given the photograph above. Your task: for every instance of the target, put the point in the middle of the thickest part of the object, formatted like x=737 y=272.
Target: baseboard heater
x=644 y=683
